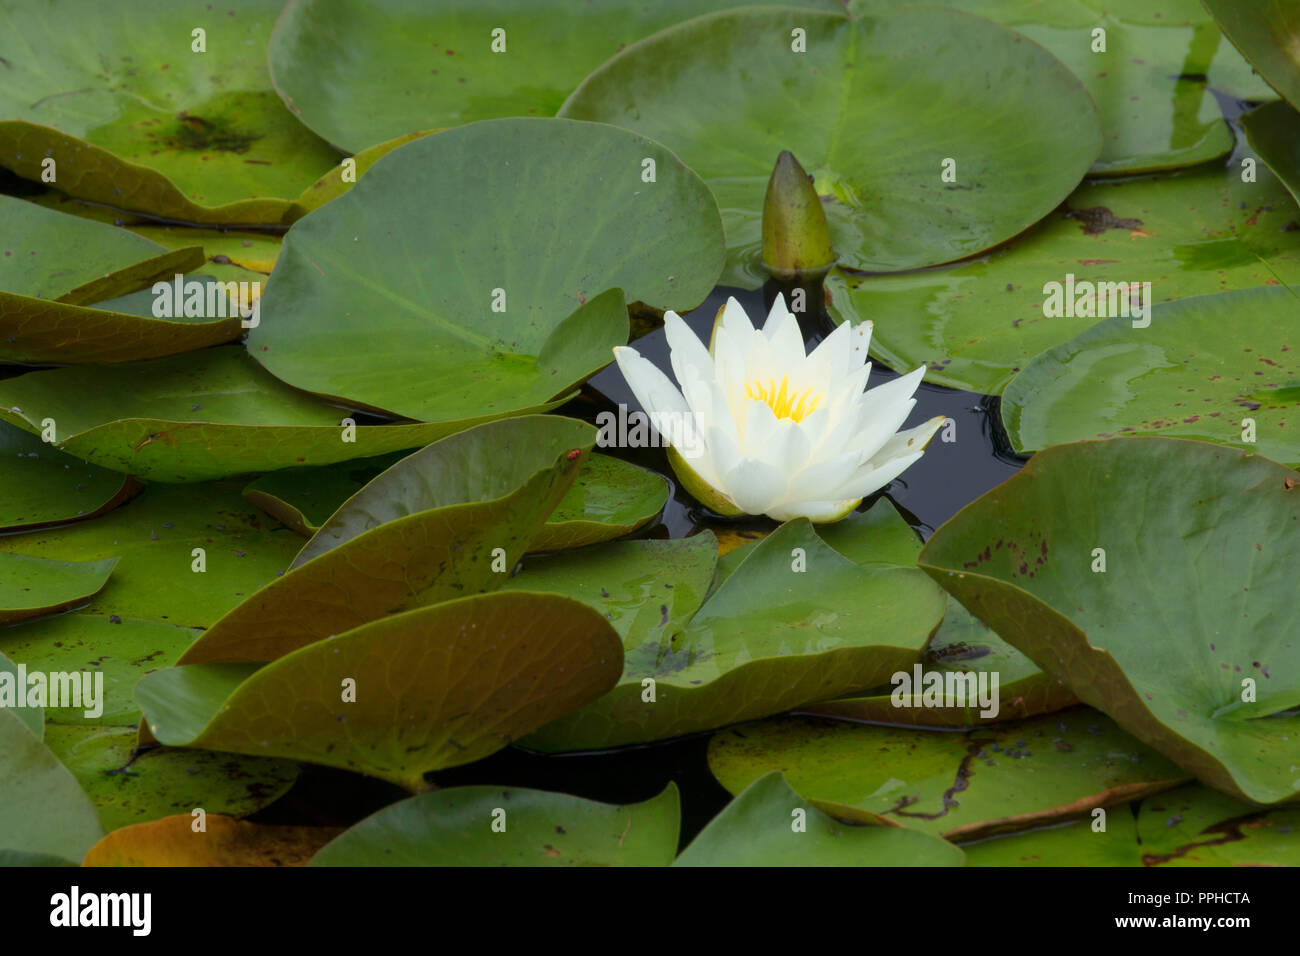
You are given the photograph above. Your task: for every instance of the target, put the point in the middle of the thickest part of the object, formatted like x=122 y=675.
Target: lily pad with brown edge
x=33 y=587
x=200 y=416
x=1273 y=132
x=452 y=519
x=413 y=692
x=977 y=323
x=1155 y=578
x=128 y=787
x=1266 y=32
x=956 y=785
x=1219 y=368
x=873 y=107
x=963 y=645
x=609 y=498
x=484 y=320
x=189 y=553
x=224 y=841
x=43 y=810
x=109 y=653
x=769 y=824
x=41 y=486
x=458 y=62
x=135 y=115
x=455 y=827
x=766 y=640
x=1189 y=826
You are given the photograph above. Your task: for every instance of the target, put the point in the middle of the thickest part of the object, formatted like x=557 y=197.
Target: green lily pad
x=978 y=323
x=1189 y=826
x=771 y=825
x=963 y=645
x=128 y=788
x=510 y=826
x=350 y=314
x=32 y=587
x=1205 y=367
x=959 y=786
x=395 y=68
x=871 y=110
x=42 y=486
x=1273 y=131
x=609 y=498
x=197 y=417
x=1207 y=672
x=135 y=118
x=766 y=640
x=450 y=520
x=1150 y=84
x=1267 y=32
x=43 y=811
x=464 y=678
x=33 y=718
x=121 y=649
x=155 y=537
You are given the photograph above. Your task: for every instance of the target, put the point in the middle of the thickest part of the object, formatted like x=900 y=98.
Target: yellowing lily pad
x=413 y=692
x=450 y=520
x=1155 y=578
x=510 y=826
x=959 y=786
x=144 y=113
x=224 y=841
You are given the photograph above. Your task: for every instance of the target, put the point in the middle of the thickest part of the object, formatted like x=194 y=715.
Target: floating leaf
x=134 y=116
x=450 y=520
x=959 y=786
x=978 y=323
x=771 y=825
x=1266 y=32
x=32 y=587
x=128 y=787
x=173 y=841
x=1149 y=72
x=435 y=687
x=962 y=645
x=1273 y=131
x=1190 y=826
x=32 y=717
x=155 y=537
x=332 y=185
x=1198 y=547
x=304 y=498
x=395 y=67
x=864 y=107
x=1204 y=367
x=42 y=809
x=350 y=313
x=456 y=827
x=42 y=486
x=794 y=623
x=198 y=416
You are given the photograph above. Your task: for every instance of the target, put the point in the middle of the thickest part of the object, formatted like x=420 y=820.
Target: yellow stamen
x=784 y=404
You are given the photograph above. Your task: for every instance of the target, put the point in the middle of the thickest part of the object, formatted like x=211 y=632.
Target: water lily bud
x=796 y=239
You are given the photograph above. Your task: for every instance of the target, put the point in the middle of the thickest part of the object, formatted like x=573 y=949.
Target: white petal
x=786 y=449
x=758 y=425
x=870 y=480
x=651 y=387
x=895 y=390
x=821 y=479
x=784 y=335
x=754 y=485
x=831 y=358
x=878 y=426
x=814 y=510
x=685 y=348
x=861 y=341
x=734 y=317
x=906 y=442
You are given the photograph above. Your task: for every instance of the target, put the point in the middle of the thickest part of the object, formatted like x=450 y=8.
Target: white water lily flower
x=770 y=430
